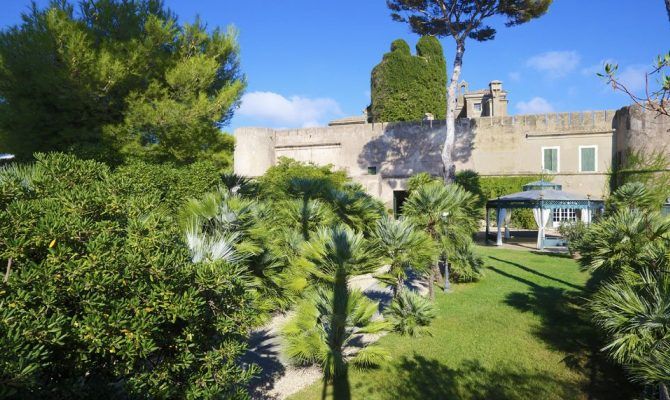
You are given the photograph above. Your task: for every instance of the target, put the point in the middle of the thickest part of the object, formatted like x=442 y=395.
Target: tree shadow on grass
x=532 y=271
x=418 y=377
x=565 y=326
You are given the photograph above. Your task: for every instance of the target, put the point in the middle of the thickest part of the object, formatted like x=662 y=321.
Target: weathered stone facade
x=492 y=146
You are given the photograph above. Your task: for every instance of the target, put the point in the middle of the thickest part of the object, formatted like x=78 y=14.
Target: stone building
x=491 y=102
x=577 y=148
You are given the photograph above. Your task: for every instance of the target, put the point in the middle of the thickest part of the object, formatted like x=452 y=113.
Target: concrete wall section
x=254 y=151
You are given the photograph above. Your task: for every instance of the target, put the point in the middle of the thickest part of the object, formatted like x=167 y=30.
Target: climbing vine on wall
x=405 y=87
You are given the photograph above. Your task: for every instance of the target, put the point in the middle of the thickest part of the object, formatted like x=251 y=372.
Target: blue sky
x=309 y=61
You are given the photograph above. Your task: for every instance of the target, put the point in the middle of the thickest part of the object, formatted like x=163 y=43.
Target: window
x=550 y=159
x=478 y=106
x=588 y=156
x=372 y=170
x=561 y=215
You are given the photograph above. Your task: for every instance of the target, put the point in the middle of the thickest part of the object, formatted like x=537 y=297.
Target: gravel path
x=279 y=379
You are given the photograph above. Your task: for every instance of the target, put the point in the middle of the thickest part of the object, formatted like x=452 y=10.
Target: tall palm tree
x=402 y=246
x=635 y=313
x=449 y=214
x=333 y=256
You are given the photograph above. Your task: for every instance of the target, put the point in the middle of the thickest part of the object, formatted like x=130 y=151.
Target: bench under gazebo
x=544 y=198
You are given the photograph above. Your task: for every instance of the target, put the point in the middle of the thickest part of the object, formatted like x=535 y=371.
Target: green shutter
x=588 y=159
x=551 y=160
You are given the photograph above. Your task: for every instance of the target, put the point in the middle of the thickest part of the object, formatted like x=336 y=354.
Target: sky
x=308 y=61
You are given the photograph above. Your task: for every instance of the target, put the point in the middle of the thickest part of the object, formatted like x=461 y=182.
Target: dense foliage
x=652 y=170
x=117 y=79
x=628 y=250
x=101 y=297
x=144 y=281
x=406 y=87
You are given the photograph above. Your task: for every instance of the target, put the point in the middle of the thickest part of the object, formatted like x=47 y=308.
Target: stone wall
x=492 y=146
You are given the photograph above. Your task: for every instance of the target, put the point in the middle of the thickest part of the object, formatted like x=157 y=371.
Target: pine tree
x=117 y=79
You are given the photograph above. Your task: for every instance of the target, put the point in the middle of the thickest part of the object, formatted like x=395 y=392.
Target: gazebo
x=543 y=198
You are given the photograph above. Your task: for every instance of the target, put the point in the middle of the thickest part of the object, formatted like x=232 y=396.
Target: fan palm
x=307 y=214
x=623 y=241
x=355 y=208
x=402 y=246
x=410 y=314
x=633 y=195
x=239 y=184
x=333 y=256
x=226 y=226
x=309 y=336
x=635 y=313
x=449 y=214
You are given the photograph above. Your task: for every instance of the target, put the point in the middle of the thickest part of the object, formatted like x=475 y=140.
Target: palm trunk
x=667 y=7
x=341 y=389
x=663 y=390
x=450 y=139
x=447 y=284
x=431 y=279
x=304 y=218
x=400 y=283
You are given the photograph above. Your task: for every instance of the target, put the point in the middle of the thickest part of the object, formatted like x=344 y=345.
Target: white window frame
x=558 y=158
x=560 y=216
x=595 y=161
x=477 y=106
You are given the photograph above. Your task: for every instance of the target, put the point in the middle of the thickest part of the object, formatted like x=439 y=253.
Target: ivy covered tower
x=406 y=87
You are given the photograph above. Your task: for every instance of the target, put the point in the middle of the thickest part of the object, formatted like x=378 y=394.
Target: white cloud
x=536 y=105
x=294 y=111
x=514 y=76
x=633 y=77
x=555 y=64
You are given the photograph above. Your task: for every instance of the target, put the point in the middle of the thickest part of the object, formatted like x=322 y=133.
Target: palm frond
x=370 y=356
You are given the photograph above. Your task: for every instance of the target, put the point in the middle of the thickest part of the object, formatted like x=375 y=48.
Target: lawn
x=520 y=333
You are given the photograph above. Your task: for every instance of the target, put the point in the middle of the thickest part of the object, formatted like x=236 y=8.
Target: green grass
x=520 y=333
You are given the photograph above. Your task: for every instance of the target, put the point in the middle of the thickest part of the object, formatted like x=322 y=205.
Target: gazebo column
x=500 y=220
x=508 y=218
x=486 y=238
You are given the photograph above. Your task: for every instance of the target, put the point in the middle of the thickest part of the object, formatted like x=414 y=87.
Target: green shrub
x=291 y=179
x=410 y=313
x=405 y=87
x=102 y=298
x=281 y=180
x=574 y=233
x=470 y=181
